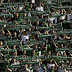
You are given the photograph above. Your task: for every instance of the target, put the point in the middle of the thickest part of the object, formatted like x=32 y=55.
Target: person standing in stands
x=25 y=37
x=60 y=69
x=40 y=8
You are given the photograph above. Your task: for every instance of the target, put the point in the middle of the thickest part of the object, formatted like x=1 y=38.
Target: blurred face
x=50 y=61
x=45 y=32
x=6 y=47
x=33 y=51
x=30 y=65
x=37 y=23
x=14 y=46
x=39 y=4
x=17 y=14
x=15 y=54
x=26 y=65
x=3 y=32
x=36 y=46
x=31 y=5
x=67 y=61
x=15 y=33
x=61 y=11
x=24 y=52
x=1 y=43
x=57 y=54
x=62 y=45
x=14 y=60
x=62 y=65
x=41 y=16
x=49 y=53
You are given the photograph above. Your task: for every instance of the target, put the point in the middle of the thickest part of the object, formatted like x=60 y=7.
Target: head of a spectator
x=62 y=65
x=2 y=33
x=14 y=47
x=6 y=47
x=61 y=11
x=41 y=16
x=13 y=61
x=30 y=6
x=67 y=62
x=57 y=54
x=15 y=34
x=51 y=61
x=16 y=15
x=61 y=45
x=65 y=54
x=52 y=9
x=49 y=52
x=25 y=33
x=37 y=22
x=33 y=52
x=1 y=43
x=30 y=65
x=26 y=66
x=40 y=4
x=24 y=52
x=49 y=24
x=15 y=53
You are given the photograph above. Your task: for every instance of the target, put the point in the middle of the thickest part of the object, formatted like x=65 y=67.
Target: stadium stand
x=35 y=35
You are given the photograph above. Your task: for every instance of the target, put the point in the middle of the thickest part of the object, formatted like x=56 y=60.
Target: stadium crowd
x=35 y=36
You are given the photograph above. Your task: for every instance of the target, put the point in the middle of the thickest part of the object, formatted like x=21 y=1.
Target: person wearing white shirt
x=39 y=8
x=24 y=37
x=49 y=65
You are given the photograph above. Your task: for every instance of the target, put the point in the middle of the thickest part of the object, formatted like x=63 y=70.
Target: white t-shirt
x=33 y=1
x=24 y=37
x=20 y=8
x=39 y=8
x=69 y=16
x=50 y=65
x=62 y=17
x=52 y=19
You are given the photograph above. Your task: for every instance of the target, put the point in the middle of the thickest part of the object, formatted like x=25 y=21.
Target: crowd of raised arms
x=35 y=35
